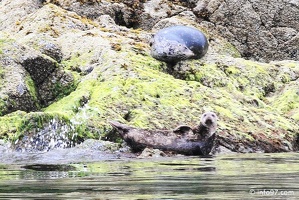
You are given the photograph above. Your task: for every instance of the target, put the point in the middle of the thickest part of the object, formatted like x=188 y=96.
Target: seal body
x=177 y=43
x=184 y=139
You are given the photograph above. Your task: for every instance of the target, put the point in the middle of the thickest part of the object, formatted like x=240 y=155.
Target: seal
x=184 y=139
x=177 y=43
x=207 y=126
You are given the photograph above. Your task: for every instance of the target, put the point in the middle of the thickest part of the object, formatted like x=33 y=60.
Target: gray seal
x=177 y=43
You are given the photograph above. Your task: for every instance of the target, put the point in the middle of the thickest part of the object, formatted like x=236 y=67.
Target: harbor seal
x=207 y=126
x=177 y=43
x=184 y=139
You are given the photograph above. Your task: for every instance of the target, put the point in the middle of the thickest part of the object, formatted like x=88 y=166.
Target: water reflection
x=238 y=176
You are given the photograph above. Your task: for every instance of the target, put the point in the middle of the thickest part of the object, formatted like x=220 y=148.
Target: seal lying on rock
x=199 y=140
x=177 y=43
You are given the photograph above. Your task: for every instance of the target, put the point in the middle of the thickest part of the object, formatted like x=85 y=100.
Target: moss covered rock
x=103 y=73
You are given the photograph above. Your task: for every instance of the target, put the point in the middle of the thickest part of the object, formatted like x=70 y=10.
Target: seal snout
x=209 y=122
x=209 y=119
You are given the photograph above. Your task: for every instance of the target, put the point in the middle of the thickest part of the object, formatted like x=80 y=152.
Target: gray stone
x=261 y=30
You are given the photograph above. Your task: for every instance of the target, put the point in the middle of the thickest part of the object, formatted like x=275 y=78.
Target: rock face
x=260 y=30
x=87 y=62
x=263 y=30
x=31 y=79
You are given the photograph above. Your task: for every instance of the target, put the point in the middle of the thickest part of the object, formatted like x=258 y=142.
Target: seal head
x=177 y=43
x=207 y=126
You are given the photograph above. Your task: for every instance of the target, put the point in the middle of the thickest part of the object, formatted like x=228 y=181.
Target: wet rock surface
x=51 y=135
x=88 y=151
x=89 y=62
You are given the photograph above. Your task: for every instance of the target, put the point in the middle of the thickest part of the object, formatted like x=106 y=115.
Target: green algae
x=287 y=102
x=296 y=114
x=71 y=103
x=61 y=89
x=77 y=60
x=143 y=95
x=129 y=86
x=14 y=125
x=4 y=40
x=231 y=50
x=32 y=90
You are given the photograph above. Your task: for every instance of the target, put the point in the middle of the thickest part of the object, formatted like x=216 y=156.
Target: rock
x=157 y=10
x=260 y=30
x=38 y=66
x=99 y=67
x=253 y=27
x=37 y=80
x=9 y=20
x=52 y=50
x=151 y=153
x=38 y=131
x=99 y=145
x=184 y=18
x=124 y=13
x=57 y=84
x=17 y=89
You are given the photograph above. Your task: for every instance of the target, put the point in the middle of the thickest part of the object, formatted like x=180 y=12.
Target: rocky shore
x=67 y=67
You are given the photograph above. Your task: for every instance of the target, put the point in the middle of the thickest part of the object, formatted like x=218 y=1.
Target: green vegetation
x=15 y=124
x=257 y=103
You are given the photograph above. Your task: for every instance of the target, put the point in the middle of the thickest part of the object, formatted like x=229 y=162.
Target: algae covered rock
x=30 y=79
x=37 y=131
x=73 y=73
x=17 y=88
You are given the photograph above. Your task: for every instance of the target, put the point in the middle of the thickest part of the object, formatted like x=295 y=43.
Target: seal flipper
x=182 y=129
x=121 y=128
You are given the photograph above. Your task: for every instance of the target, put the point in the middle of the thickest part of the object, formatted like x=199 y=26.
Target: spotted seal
x=184 y=139
x=177 y=43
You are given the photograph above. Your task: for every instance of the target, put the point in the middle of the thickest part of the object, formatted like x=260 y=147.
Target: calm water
x=237 y=176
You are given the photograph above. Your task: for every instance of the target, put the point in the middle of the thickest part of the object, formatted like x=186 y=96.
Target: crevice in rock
x=119 y=18
x=39 y=68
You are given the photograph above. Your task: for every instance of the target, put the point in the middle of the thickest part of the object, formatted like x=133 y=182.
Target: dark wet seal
x=199 y=140
x=177 y=43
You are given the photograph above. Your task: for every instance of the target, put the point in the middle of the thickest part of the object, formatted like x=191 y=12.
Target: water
x=235 y=176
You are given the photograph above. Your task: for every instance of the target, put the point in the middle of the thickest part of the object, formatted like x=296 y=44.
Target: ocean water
x=231 y=176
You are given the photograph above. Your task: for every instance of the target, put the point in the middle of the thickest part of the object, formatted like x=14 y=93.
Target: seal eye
x=213 y=115
x=205 y=115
